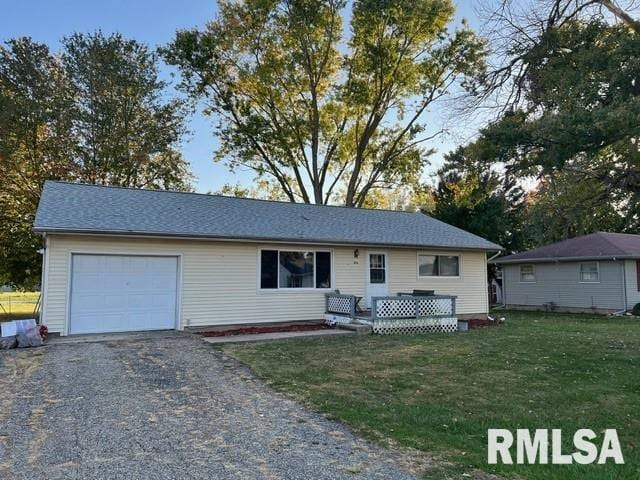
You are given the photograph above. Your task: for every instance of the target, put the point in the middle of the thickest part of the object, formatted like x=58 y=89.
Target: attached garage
x=120 y=293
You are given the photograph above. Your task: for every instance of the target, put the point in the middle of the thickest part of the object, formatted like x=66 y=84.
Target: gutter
x=46 y=230
x=565 y=259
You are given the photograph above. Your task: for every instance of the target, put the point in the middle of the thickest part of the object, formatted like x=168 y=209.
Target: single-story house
x=122 y=259
x=597 y=273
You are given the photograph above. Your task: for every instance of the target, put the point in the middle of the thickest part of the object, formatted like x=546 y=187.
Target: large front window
x=281 y=269
x=438 y=266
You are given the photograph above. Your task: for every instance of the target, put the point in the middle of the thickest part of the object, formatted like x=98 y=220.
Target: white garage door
x=119 y=293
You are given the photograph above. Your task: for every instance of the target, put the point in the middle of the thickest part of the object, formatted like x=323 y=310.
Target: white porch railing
x=400 y=314
x=414 y=314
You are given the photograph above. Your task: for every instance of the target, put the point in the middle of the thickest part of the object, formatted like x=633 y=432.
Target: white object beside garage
x=120 y=293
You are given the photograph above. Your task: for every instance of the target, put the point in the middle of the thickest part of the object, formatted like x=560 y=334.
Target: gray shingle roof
x=78 y=208
x=596 y=245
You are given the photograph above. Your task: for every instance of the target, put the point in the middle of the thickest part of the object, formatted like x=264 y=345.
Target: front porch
x=402 y=314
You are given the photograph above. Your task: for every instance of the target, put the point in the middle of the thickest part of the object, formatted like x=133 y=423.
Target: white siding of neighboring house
x=560 y=283
x=633 y=292
x=220 y=279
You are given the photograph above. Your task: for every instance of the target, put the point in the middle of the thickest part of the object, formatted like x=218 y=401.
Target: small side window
x=589 y=272
x=269 y=269
x=527 y=273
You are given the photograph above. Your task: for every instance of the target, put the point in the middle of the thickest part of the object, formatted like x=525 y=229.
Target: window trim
x=597 y=271
x=439 y=254
x=278 y=289
x=533 y=266
x=367 y=271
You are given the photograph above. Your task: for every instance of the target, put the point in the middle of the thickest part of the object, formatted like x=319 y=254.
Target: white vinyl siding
x=219 y=281
x=560 y=284
x=470 y=286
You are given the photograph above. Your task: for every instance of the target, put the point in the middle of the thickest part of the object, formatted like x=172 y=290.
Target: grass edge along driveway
x=440 y=393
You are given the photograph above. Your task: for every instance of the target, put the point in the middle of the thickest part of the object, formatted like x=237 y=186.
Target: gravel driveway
x=166 y=407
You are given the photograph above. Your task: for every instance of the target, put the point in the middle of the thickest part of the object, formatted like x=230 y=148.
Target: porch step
x=359 y=328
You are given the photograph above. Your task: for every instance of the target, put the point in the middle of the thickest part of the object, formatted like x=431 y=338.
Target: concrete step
x=359 y=328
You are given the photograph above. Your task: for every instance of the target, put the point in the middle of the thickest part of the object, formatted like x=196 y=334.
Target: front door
x=377 y=276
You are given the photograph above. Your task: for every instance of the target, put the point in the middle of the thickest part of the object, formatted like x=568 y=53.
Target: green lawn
x=440 y=393
x=17 y=305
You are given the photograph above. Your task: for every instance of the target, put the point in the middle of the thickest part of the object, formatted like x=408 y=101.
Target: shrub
x=636 y=309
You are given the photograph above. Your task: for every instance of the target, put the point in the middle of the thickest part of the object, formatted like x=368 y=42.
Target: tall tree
x=36 y=144
x=474 y=196
x=581 y=111
x=566 y=205
x=96 y=113
x=126 y=130
x=321 y=115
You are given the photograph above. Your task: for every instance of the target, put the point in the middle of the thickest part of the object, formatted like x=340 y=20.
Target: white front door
x=377 y=276
x=120 y=293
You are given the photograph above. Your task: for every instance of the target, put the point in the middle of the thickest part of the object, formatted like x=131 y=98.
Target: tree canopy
x=94 y=113
x=569 y=124
x=324 y=115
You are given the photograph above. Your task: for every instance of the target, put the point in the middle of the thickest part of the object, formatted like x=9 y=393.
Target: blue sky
x=153 y=22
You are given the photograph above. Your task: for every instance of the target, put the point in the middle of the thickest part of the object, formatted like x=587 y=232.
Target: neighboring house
x=595 y=273
x=119 y=259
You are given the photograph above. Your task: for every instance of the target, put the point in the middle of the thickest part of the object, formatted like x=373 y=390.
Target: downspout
x=497 y=254
x=624 y=287
x=43 y=278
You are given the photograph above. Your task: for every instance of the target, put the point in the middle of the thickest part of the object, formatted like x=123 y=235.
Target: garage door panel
x=139 y=301
x=165 y=282
x=162 y=301
x=87 y=282
x=113 y=283
x=84 y=264
x=163 y=267
x=88 y=302
x=115 y=265
x=114 y=301
x=115 y=293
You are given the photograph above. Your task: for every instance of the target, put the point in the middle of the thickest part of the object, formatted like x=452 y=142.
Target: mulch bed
x=482 y=322
x=265 y=329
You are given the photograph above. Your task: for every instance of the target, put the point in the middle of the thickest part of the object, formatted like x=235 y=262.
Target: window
x=282 y=269
x=438 y=266
x=527 y=273
x=589 y=272
x=377 y=268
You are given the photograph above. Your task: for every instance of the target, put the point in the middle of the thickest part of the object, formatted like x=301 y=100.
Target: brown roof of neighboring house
x=600 y=245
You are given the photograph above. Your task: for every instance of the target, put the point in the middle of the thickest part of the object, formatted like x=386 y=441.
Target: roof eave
x=564 y=259
x=187 y=236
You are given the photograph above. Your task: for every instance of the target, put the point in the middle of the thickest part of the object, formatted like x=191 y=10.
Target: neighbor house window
x=527 y=273
x=282 y=269
x=589 y=272
x=438 y=266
